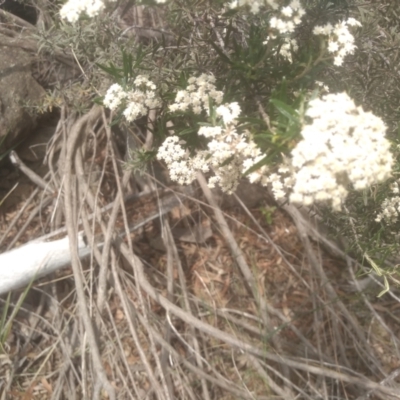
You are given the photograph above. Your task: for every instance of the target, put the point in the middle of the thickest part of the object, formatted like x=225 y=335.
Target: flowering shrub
x=242 y=85
x=390 y=207
x=289 y=17
x=197 y=94
x=343 y=145
x=136 y=102
x=229 y=153
x=72 y=10
x=340 y=40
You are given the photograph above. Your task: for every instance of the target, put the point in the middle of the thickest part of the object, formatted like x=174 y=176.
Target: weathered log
x=23 y=265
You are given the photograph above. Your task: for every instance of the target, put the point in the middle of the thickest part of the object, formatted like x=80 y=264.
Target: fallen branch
x=21 y=266
x=40 y=257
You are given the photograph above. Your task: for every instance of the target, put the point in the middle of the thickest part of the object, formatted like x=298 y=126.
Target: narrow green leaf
x=258 y=165
x=186 y=132
x=220 y=53
x=285 y=110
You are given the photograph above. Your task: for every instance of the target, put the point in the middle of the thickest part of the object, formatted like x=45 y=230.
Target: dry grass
x=177 y=318
x=252 y=307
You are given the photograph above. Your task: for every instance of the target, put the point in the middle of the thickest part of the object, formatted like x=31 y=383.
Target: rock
x=18 y=89
x=20 y=9
x=251 y=194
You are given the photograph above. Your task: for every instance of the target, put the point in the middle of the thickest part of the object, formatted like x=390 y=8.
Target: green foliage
x=139 y=159
x=7 y=316
x=131 y=63
x=268 y=213
x=370 y=76
x=4 y=153
x=272 y=92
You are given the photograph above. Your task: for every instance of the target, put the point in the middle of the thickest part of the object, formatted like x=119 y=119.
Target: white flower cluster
x=254 y=5
x=341 y=41
x=390 y=207
x=72 y=10
x=322 y=86
x=197 y=95
x=290 y=17
x=136 y=101
x=281 y=181
x=178 y=160
x=343 y=145
x=229 y=153
x=286 y=48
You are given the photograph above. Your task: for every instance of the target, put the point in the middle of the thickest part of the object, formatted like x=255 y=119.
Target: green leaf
x=285 y=110
x=7 y=194
x=140 y=54
x=258 y=165
x=229 y=30
x=268 y=136
x=6 y=153
x=3 y=332
x=98 y=100
x=178 y=42
x=230 y=13
x=127 y=63
x=186 y=132
x=205 y=124
x=111 y=70
x=220 y=53
x=227 y=162
x=117 y=119
x=251 y=120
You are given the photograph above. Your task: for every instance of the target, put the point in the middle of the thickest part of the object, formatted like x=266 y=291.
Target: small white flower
x=395 y=187
x=72 y=10
x=339 y=142
x=229 y=112
x=323 y=30
x=390 y=210
x=225 y=144
x=114 y=96
x=287 y=47
x=136 y=101
x=287 y=11
x=333 y=46
x=210 y=131
x=196 y=95
x=340 y=41
x=353 y=22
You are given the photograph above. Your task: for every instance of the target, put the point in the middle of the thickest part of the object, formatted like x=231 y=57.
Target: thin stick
x=317 y=369
x=35 y=178
x=78 y=127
